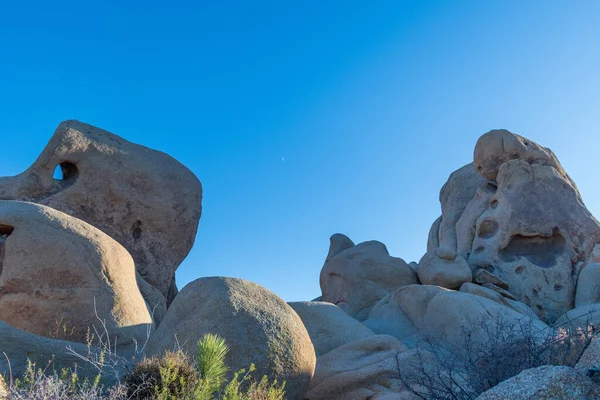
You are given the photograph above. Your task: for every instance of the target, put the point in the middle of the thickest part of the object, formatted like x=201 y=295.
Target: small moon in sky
x=282 y=158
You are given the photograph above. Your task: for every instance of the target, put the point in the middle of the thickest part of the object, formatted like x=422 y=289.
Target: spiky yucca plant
x=210 y=363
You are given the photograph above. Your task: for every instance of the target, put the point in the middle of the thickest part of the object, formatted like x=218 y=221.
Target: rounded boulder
x=258 y=326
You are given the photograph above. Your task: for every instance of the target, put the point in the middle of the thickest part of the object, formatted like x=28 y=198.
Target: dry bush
x=464 y=372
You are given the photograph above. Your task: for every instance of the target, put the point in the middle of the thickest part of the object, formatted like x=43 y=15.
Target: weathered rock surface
x=483 y=277
x=499 y=146
x=545 y=383
x=257 y=325
x=498 y=298
x=328 y=326
x=588 y=286
x=457 y=192
x=58 y=270
x=443 y=316
x=535 y=236
x=144 y=199
x=444 y=267
x=363 y=369
x=590 y=357
x=356 y=277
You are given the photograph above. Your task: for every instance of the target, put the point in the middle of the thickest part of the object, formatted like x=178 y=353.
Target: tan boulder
x=258 y=326
x=355 y=278
x=535 y=236
x=328 y=326
x=545 y=383
x=499 y=146
x=444 y=267
x=142 y=198
x=363 y=369
x=418 y=312
x=58 y=270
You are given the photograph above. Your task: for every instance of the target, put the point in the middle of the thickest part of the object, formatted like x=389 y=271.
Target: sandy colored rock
x=356 y=278
x=499 y=146
x=328 y=326
x=466 y=226
x=155 y=300
x=498 y=298
x=58 y=270
x=142 y=198
x=588 y=286
x=444 y=267
x=363 y=369
x=415 y=312
x=455 y=195
x=258 y=326
x=482 y=277
x=536 y=236
x=545 y=383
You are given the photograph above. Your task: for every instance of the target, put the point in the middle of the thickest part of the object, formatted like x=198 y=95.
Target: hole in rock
x=136 y=230
x=487 y=229
x=5 y=231
x=65 y=171
x=539 y=250
x=558 y=287
x=494 y=204
x=519 y=270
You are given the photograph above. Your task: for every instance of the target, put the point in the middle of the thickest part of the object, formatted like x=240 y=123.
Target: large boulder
x=328 y=326
x=367 y=368
x=142 y=198
x=535 y=235
x=258 y=327
x=498 y=146
x=445 y=318
x=355 y=278
x=545 y=383
x=444 y=267
x=57 y=269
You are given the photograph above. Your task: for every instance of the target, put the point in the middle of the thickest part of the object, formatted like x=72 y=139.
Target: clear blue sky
x=306 y=118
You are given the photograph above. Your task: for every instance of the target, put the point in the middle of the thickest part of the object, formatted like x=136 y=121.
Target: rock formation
x=142 y=198
x=512 y=265
x=82 y=276
x=257 y=325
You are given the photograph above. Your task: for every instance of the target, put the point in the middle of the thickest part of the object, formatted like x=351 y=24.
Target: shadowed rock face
x=142 y=198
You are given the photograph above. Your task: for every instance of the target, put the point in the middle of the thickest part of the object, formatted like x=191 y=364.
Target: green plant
x=210 y=362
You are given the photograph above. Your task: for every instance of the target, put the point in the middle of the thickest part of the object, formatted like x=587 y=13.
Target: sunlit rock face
x=59 y=276
x=357 y=277
x=525 y=222
x=536 y=235
x=142 y=198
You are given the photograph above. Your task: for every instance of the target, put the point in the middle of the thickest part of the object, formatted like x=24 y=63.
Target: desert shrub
x=263 y=390
x=465 y=371
x=40 y=384
x=170 y=377
x=174 y=376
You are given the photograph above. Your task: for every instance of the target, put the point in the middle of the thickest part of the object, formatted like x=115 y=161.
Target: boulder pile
x=511 y=272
